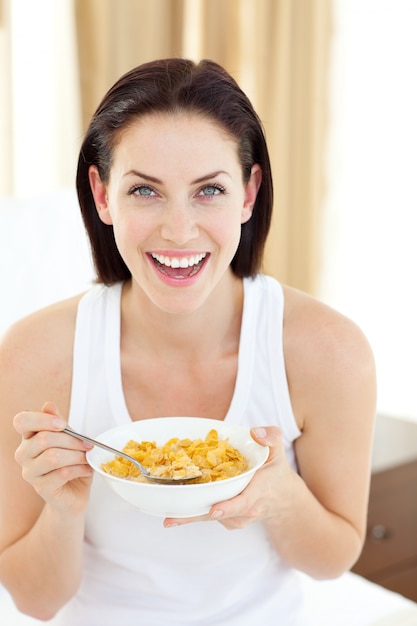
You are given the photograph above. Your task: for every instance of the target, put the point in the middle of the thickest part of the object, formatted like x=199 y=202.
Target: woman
x=175 y=189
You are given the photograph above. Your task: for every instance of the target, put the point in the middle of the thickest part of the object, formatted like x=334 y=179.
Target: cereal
x=214 y=457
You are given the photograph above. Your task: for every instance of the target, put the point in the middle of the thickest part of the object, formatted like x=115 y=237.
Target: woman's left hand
x=261 y=498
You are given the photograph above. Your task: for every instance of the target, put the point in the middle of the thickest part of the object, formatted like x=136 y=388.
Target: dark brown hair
x=168 y=86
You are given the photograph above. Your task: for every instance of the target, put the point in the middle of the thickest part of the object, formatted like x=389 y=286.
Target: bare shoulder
x=36 y=355
x=35 y=366
x=326 y=353
x=311 y=324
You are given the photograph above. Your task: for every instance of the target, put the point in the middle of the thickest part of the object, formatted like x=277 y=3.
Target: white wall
x=369 y=251
x=395 y=443
x=44 y=254
x=39 y=80
x=369 y=260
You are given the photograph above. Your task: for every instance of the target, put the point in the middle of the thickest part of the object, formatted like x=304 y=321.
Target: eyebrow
x=157 y=181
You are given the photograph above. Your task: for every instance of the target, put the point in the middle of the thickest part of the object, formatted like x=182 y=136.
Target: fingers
x=258 y=499
x=47 y=451
x=65 y=464
x=232 y=514
x=44 y=449
x=51 y=408
x=267 y=436
x=51 y=444
x=28 y=423
x=240 y=511
x=169 y=522
x=53 y=462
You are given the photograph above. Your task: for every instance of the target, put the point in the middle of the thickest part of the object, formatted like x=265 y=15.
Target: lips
x=179 y=267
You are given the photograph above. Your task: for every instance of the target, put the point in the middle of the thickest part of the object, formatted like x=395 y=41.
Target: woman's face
x=176 y=200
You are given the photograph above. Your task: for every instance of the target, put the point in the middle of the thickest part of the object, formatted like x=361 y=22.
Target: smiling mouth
x=179 y=267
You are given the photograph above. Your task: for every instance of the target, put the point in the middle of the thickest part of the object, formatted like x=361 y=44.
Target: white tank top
x=135 y=570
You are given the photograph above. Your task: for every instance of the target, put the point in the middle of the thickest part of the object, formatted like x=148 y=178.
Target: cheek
x=228 y=232
x=132 y=226
x=129 y=233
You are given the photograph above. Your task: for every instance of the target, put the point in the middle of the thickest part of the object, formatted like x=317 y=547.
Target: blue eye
x=212 y=190
x=141 y=190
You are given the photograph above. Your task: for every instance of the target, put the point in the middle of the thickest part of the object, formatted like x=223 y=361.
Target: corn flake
x=215 y=458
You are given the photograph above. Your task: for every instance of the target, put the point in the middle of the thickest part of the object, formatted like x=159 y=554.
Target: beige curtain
x=278 y=52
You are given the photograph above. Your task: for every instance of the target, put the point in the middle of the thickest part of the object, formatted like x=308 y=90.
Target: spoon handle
x=144 y=470
x=71 y=432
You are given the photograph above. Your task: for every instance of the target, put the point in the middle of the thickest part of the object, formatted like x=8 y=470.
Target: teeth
x=182 y=262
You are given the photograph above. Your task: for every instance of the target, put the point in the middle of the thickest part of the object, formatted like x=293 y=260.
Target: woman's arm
x=332 y=382
x=316 y=518
x=41 y=513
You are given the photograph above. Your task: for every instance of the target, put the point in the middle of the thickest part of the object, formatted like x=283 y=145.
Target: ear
x=251 y=191
x=99 y=191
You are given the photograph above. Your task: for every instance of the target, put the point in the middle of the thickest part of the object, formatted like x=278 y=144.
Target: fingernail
x=170 y=524
x=58 y=422
x=217 y=514
x=260 y=433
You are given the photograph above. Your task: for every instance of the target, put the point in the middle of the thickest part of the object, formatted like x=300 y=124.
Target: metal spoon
x=166 y=480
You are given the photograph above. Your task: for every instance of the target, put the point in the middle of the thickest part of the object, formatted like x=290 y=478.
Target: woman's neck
x=211 y=330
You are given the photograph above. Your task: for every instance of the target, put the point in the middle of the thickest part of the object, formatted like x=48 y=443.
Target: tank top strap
x=261 y=393
x=274 y=305
x=91 y=345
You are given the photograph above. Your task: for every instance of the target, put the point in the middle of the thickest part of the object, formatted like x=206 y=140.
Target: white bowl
x=177 y=500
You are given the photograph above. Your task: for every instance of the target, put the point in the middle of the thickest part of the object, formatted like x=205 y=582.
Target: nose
x=179 y=223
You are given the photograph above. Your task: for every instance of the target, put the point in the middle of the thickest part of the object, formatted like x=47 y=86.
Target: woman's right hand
x=52 y=462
